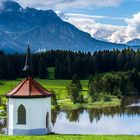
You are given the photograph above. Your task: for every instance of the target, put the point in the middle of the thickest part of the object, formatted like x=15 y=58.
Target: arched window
x=21 y=115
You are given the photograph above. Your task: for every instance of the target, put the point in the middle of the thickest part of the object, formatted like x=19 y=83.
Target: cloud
x=73 y=15
x=88 y=24
x=64 y=4
x=133 y=28
x=112 y=33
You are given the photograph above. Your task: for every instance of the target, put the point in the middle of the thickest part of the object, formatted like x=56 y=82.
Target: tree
x=11 y=71
x=42 y=69
x=137 y=61
x=135 y=78
x=91 y=89
x=120 y=61
x=77 y=66
x=76 y=81
x=73 y=91
x=90 y=80
x=1 y=73
x=91 y=92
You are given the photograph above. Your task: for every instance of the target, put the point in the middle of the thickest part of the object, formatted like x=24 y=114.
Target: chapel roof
x=29 y=88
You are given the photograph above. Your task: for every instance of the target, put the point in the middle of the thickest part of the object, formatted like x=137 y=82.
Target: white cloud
x=88 y=24
x=133 y=28
x=113 y=33
x=64 y=4
x=85 y=16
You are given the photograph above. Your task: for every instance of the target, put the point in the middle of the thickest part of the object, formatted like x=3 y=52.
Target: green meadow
x=70 y=137
x=59 y=86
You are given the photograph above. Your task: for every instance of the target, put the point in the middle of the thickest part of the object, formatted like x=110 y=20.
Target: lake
x=124 y=119
x=115 y=120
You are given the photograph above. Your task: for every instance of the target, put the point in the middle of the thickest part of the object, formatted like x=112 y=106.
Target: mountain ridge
x=134 y=42
x=44 y=30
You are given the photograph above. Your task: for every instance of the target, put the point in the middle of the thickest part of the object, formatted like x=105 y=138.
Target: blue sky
x=125 y=9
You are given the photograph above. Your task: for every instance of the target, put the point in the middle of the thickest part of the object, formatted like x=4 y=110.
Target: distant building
x=29 y=106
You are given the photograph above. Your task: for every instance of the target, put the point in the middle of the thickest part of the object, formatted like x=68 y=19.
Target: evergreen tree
x=57 y=69
x=76 y=81
x=135 y=77
x=73 y=91
x=42 y=69
x=120 y=61
x=1 y=72
x=137 y=61
x=91 y=89
x=11 y=70
x=90 y=80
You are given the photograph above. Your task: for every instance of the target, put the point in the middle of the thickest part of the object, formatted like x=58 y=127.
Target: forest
x=67 y=63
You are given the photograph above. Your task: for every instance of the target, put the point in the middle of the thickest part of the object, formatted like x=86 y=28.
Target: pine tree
x=1 y=73
x=42 y=69
x=76 y=81
x=91 y=89
x=73 y=91
x=11 y=71
x=137 y=61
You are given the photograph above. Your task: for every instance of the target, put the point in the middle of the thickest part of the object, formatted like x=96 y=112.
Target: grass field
x=70 y=137
x=59 y=86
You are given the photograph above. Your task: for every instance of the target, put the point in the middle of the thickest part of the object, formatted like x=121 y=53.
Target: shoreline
x=66 y=104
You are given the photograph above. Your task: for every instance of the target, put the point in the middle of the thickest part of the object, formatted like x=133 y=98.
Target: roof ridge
x=30 y=87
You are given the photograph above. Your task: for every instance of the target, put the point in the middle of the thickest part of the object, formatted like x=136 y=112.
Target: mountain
x=134 y=42
x=44 y=30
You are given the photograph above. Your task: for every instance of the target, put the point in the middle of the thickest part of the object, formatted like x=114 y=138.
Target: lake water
x=115 y=120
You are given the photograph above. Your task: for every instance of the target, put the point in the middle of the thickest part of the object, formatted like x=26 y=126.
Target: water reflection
x=113 y=120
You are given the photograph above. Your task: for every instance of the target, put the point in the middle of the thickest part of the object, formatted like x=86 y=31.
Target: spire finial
x=28 y=62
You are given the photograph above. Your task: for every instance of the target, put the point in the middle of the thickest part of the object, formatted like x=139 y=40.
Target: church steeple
x=28 y=62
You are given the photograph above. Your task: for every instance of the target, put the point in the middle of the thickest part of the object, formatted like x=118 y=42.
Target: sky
x=111 y=20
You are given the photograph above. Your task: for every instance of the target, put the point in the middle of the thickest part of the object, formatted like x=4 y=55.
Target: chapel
x=29 y=105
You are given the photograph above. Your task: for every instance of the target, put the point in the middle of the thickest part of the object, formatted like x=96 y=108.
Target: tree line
x=104 y=86
x=68 y=63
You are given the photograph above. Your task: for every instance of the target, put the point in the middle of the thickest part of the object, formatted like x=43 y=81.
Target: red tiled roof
x=28 y=88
